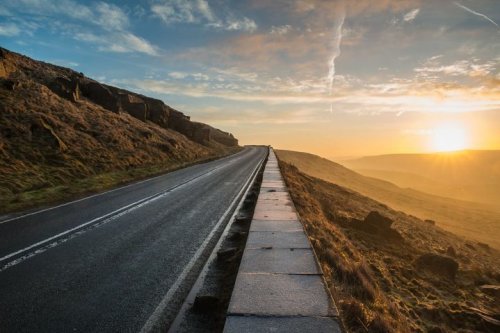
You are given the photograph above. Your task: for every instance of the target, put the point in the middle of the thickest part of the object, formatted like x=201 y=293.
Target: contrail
x=476 y=13
x=337 y=38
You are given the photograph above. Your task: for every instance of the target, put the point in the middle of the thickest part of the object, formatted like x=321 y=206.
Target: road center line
x=58 y=239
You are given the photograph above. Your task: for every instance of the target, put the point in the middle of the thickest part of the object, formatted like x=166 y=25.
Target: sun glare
x=449 y=137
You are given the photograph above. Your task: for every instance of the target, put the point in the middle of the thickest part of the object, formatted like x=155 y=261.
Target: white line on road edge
x=199 y=281
x=150 y=324
x=99 y=194
x=78 y=230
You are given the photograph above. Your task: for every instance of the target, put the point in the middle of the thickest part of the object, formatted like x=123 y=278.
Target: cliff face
x=75 y=87
x=61 y=132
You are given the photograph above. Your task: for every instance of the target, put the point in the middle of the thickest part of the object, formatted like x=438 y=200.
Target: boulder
x=438 y=265
x=431 y=222
x=377 y=220
x=451 y=251
x=158 y=112
x=133 y=105
x=376 y=225
x=64 y=87
x=100 y=95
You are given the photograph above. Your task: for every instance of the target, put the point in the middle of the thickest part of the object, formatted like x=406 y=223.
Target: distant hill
x=63 y=134
x=464 y=218
x=472 y=175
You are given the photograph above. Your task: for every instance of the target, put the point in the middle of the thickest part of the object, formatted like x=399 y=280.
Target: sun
x=449 y=137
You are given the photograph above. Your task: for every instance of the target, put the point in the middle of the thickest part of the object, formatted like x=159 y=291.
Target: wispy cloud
x=470 y=67
x=120 y=42
x=411 y=15
x=476 y=13
x=200 y=12
x=9 y=30
x=111 y=17
x=281 y=30
x=108 y=26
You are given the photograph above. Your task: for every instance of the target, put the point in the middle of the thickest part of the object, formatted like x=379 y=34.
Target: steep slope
x=392 y=272
x=472 y=175
x=64 y=134
x=463 y=218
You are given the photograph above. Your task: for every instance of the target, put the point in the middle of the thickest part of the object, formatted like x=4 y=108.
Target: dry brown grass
x=52 y=149
x=373 y=278
x=472 y=220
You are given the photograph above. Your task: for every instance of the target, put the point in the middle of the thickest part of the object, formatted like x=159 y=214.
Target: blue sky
x=330 y=77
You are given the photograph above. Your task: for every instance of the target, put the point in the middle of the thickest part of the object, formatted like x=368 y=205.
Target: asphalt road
x=106 y=263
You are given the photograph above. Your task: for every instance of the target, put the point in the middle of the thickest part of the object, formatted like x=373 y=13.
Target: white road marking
x=47 y=243
x=160 y=309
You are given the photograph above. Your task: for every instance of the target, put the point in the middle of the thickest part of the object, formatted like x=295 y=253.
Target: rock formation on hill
x=74 y=86
x=62 y=132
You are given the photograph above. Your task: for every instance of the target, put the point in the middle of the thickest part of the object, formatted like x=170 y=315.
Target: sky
x=335 y=78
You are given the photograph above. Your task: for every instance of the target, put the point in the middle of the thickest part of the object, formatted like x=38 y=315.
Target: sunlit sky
x=336 y=78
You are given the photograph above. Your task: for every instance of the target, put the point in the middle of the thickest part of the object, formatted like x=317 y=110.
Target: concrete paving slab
x=277 y=239
x=263 y=225
x=274 y=183
x=279 y=295
x=284 y=200
x=245 y=324
x=268 y=177
x=272 y=203
x=272 y=206
x=272 y=178
x=262 y=208
x=282 y=261
x=275 y=215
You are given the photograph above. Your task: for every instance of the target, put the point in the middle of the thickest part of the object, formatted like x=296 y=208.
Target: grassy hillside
x=465 y=175
x=468 y=219
x=410 y=276
x=57 y=143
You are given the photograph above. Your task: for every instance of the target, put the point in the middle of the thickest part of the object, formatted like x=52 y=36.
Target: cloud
x=395 y=96
x=281 y=30
x=111 y=17
x=244 y=24
x=9 y=30
x=175 y=11
x=178 y=75
x=194 y=76
x=476 y=13
x=469 y=67
x=199 y=12
x=119 y=42
x=411 y=15
x=107 y=24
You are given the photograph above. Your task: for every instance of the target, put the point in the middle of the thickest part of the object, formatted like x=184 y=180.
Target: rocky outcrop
x=377 y=225
x=75 y=87
x=377 y=221
x=438 y=265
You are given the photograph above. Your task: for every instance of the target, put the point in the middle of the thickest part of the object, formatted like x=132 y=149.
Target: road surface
x=120 y=261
